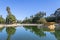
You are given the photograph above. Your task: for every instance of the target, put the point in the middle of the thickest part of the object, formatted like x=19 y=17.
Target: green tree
x=10 y=19
x=34 y=18
x=8 y=10
x=19 y=21
x=50 y=19
x=25 y=20
x=2 y=21
x=38 y=16
x=42 y=20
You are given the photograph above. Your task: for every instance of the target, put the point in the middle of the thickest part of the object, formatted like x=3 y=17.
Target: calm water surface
x=28 y=33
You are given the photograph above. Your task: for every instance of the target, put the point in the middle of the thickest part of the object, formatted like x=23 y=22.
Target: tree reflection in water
x=1 y=29
x=57 y=34
x=10 y=31
x=34 y=29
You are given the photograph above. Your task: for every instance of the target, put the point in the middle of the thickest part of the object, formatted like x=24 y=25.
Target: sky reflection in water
x=28 y=33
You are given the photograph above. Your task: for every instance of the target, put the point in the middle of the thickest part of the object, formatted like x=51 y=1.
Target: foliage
x=38 y=16
x=2 y=21
x=57 y=15
x=42 y=20
x=10 y=19
x=8 y=10
x=19 y=21
x=50 y=19
x=27 y=20
x=34 y=18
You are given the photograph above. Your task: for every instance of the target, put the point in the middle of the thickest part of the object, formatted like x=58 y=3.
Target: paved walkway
x=8 y=25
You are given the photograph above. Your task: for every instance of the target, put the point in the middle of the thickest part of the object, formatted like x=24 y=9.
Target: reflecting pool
x=28 y=33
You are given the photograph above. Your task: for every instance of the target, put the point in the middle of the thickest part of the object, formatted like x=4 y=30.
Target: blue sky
x=26 y=8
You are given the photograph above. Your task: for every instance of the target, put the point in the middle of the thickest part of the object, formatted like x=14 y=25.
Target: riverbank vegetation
x=38 y=18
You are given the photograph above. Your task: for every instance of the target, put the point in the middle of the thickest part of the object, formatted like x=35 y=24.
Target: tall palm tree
x=8 y=10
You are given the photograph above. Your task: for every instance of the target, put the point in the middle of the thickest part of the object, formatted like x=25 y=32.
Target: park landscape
x=36 y=19
x=37 y=26
x=37 y=23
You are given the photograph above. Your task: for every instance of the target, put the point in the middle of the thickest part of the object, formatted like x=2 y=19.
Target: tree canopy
x=35 y=18
x=10 y=19
x=2 y=21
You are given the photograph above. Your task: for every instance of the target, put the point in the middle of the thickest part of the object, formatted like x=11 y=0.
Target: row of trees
x=39 y=17
x=10 y=19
